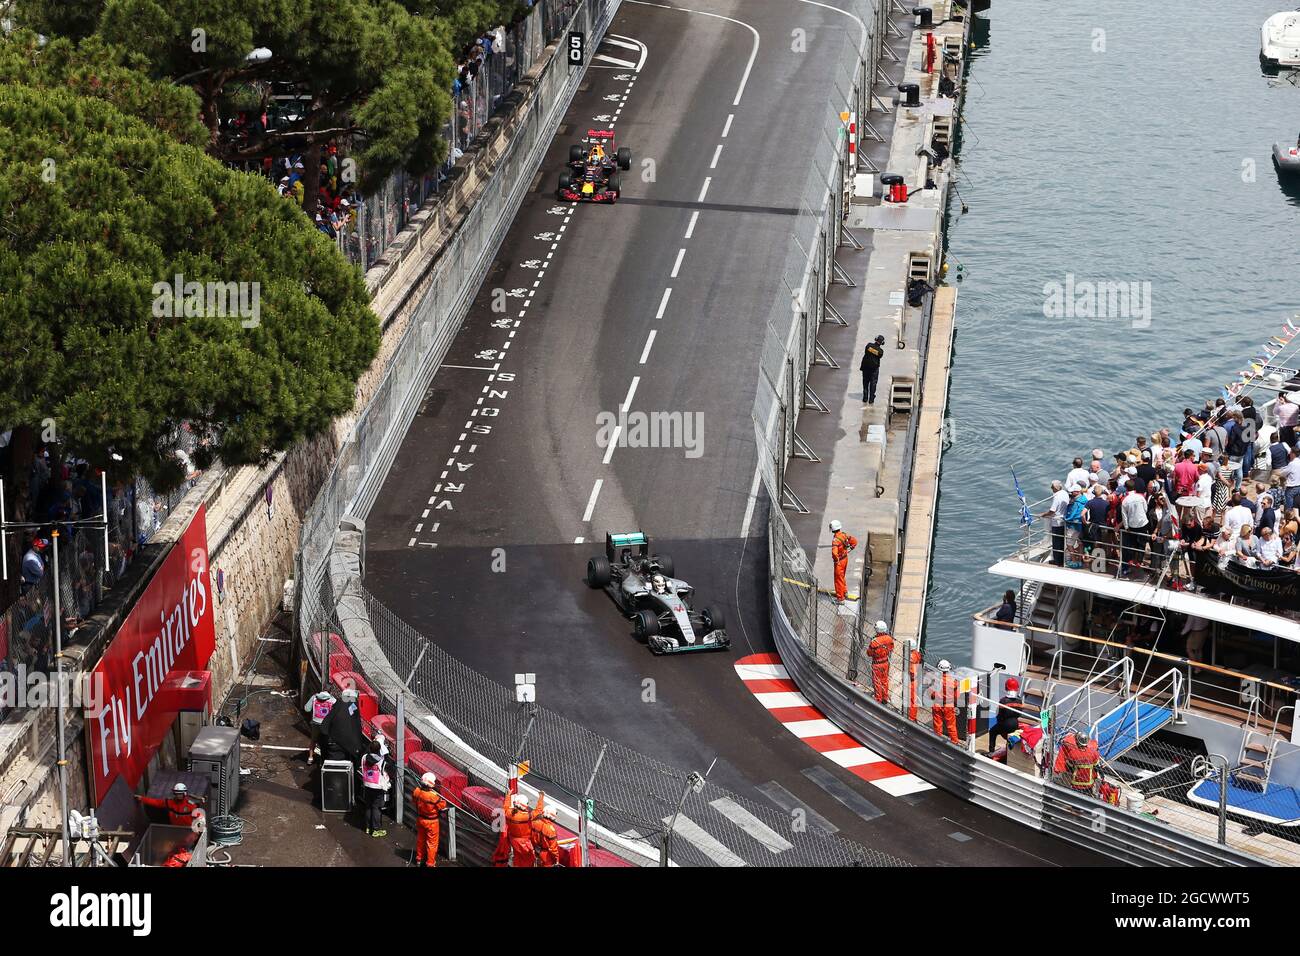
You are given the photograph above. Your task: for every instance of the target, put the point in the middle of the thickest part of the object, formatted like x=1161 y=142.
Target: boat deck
x=1124 y=728
x=1279 y=806
x=1265 y=845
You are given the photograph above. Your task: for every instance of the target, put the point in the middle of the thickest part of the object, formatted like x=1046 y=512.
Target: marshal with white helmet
x=658 y=604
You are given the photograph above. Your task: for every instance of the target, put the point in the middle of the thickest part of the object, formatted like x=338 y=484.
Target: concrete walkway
x=862 y=478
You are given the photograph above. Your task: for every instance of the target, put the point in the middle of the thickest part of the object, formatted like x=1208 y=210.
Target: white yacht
x=1209 y=745
x=1279 y=40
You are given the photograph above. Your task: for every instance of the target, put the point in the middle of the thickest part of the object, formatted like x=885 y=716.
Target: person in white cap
x=515 y=846
x=341 y=729
x=428 y=804
x=944 y=709
x=881 y=651
x=546 y=845
x=181 y=807
x=841 y=544
x=319 y=707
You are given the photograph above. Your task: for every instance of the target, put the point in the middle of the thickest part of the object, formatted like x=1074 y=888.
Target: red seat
x=483 y=802
x=601 y=857
x=336 y=644
x=387 y=725
x=451 y=782
x=340 y=663
x=367 y=699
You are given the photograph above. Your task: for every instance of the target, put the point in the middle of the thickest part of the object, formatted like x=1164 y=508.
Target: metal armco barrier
x=1120 y=834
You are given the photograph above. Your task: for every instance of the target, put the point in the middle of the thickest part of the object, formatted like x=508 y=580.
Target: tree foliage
x=377 y=71
x=96 y=208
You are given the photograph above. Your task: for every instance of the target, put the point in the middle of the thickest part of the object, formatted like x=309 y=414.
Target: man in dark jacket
x=871 y=368
x=1010 y=709
x=341 y=730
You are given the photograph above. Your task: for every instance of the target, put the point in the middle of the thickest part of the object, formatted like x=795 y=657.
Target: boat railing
x=1148 y=694
x=1198 y=686
x=1117 y=678
x=1277 y=720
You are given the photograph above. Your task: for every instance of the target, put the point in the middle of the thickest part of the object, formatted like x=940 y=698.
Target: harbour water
x=1115 y=142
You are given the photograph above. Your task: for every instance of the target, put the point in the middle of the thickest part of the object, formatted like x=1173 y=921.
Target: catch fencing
x=633 y=794
x=363 y=460
x=377 y=218
x=790 y=347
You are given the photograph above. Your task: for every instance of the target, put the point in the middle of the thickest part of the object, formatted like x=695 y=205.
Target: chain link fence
x=1184 y=788
x=632 y=794
x=478 y=92
x=364 y=457
x=790 y=348
x=84 y=574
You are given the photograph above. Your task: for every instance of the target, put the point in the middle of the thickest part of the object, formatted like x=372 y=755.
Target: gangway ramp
x=1148 y=710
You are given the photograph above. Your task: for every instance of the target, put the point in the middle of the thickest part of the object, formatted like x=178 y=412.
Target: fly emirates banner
x=170 y=630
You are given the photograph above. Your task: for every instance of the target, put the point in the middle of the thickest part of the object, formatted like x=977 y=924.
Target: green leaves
x=127 y=208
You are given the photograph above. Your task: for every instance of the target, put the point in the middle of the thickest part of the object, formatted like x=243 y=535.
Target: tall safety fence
x=633 y=795
x=477 y=95
x=790 y=346
x=363 y=460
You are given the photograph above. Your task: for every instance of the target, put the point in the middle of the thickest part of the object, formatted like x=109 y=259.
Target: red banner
x=170 y=630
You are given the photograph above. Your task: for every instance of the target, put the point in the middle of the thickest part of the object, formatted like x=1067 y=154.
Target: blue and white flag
x=1026 y=519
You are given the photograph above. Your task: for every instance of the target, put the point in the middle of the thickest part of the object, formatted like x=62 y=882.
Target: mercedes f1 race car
x=658 y=604
x=594 y=163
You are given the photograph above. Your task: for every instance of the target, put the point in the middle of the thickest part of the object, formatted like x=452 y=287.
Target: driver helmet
x=659 y=584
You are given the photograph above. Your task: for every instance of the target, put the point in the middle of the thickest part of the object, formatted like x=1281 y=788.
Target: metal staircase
x=1149 y=708
x=1258 y=746
x=1046 y=606
x=1079 y=707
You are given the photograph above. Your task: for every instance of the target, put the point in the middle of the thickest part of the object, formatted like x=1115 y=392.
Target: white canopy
x=1181 y=602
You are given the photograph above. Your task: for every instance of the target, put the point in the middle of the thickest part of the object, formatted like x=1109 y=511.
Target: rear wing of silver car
x=616 y=542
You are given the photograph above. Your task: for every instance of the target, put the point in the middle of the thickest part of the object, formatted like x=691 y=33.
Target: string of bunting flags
x=1258 y=366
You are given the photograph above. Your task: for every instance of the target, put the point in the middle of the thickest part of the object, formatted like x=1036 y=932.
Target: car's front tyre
x=645 y=625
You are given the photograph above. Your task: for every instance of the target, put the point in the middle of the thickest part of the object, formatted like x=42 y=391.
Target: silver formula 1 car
x=658 y=604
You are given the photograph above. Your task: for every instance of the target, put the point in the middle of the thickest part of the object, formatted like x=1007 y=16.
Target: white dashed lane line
x=690 y=227
x=645 y=352
x=663 y=303
x=704 y=190
x=678 y=264
x=727 y=129
x=591 y=502
x=716 y=153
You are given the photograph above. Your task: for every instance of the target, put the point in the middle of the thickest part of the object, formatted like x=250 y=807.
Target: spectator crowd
x=1228 y=483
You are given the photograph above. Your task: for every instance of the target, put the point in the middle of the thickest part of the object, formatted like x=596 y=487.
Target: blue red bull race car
x=593 y=173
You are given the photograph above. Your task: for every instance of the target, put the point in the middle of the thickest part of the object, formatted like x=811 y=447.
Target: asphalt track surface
x=588 y=327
